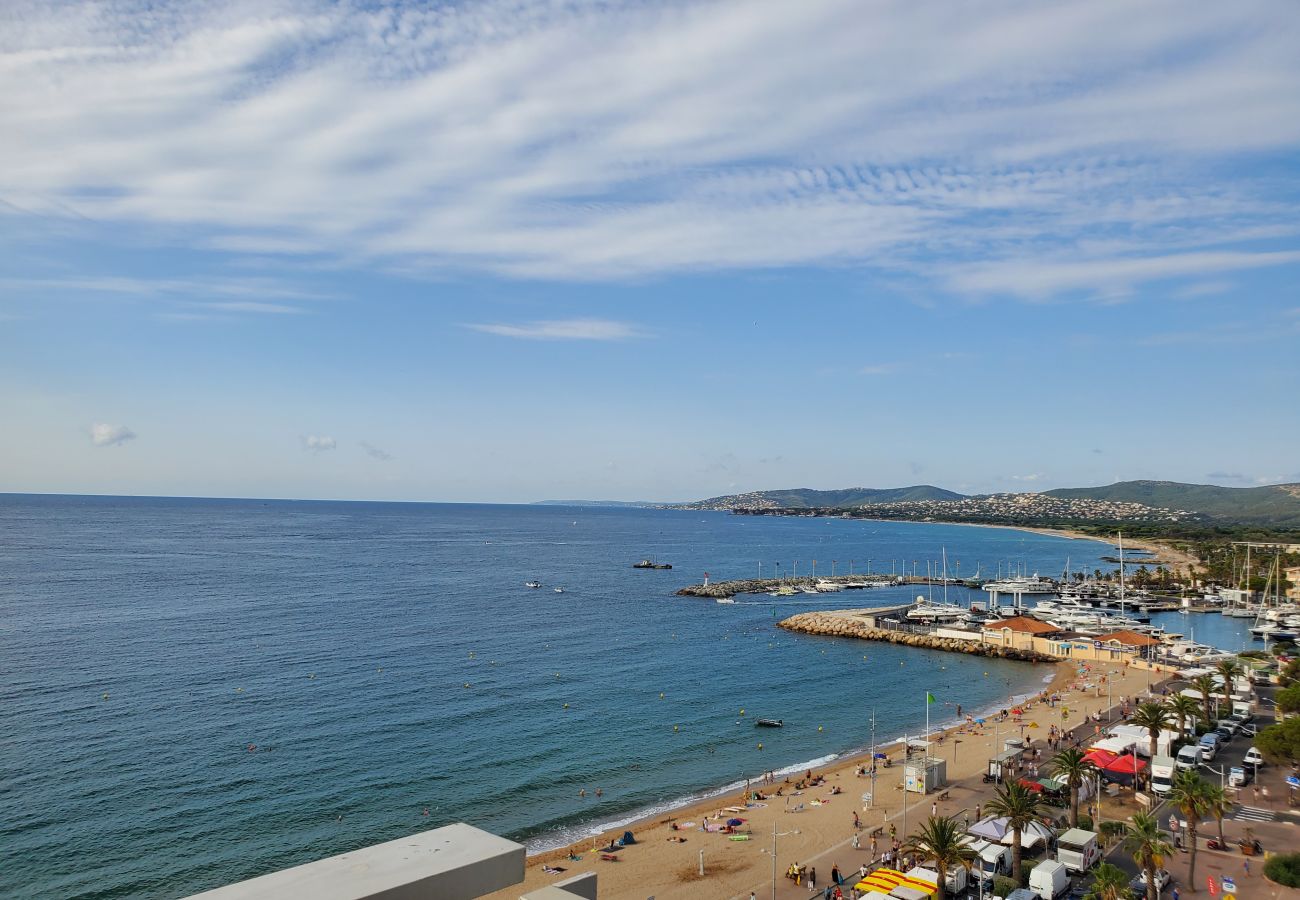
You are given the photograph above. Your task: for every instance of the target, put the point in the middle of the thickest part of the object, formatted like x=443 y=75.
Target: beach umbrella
x=734 y=822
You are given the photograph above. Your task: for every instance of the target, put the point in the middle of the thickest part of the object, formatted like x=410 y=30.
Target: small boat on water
x=724 y=600
x=769 y=723
x=651 y=564
x=532 y=584
x=559 y=590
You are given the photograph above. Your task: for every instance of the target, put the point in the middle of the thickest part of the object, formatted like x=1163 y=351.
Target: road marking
x=1254 y=814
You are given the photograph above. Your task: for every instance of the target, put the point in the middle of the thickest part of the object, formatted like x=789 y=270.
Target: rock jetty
x=851 y=624
x=767 y=585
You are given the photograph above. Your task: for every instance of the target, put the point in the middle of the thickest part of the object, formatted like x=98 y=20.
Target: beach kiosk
x=923 y=774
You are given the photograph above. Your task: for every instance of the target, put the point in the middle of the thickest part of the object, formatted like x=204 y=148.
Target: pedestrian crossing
x=1254 y=814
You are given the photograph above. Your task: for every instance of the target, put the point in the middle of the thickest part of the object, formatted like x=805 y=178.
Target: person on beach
x=857 y=823
x=856 y=843
x=873 y=851
x=812 y=879
x=835 y=873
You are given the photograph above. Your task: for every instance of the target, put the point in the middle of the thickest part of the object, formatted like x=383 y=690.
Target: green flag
x=929 y=698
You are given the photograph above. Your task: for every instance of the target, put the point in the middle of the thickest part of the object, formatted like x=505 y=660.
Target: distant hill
x=1275 y=504
x=625 y=503
x=807 y=498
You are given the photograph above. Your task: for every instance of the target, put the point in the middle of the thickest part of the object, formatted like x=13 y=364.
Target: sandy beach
x=665 y=863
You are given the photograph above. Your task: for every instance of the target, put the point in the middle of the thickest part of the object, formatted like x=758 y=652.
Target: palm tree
x=1189 y=798
x=1109 y=882
x=1142 y=838
x=1205 y=685
x=1020 y=807
x=940 y=840
x=1217 y=804
x=1228 y=670
x=1184 y=708
x=1074 y=769
x=1155 y=718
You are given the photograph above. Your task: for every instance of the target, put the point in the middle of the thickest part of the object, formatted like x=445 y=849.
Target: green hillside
x=807 y=498
x=1277 y=504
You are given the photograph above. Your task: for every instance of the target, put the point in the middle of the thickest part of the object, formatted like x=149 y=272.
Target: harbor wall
x=832 y=625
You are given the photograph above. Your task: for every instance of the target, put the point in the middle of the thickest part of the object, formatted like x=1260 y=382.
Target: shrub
x=1002 y=885
x=1085 y=822
x=1284 y=868
x=1112 y=829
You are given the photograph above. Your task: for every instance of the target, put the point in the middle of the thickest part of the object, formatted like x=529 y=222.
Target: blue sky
x=511 y=251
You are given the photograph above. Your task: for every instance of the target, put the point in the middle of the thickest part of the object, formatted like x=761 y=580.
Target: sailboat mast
x=1121 y=573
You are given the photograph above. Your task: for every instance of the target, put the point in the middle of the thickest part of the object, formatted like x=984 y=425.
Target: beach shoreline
x=658 y=864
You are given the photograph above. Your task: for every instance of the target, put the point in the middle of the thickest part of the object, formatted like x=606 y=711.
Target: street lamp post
x=775 y=835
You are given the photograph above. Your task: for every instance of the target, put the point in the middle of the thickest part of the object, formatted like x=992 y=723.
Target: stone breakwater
x=850 y=625
x=767 y=585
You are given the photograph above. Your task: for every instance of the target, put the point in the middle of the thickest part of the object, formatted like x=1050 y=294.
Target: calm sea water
x=195 y=691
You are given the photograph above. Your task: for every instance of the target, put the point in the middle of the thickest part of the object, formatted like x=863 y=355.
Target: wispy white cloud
x=104 y=435
x=566 y=139
x=564 y=330
x=879 y=369
x=317 y=443
x=375 y=453
x=1031 y=477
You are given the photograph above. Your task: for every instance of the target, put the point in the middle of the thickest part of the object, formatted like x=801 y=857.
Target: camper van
x=1078 y=850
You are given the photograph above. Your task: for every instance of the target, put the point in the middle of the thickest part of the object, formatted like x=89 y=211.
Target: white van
x=1049 y=880
x=1162 y=775
x=1189 y=757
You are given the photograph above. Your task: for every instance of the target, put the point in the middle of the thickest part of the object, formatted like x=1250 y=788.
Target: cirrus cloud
x=564 y=330
x=317 y=443
x=572 y=140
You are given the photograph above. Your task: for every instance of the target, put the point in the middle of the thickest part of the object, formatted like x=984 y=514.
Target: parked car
x=1225 y=732
x=1139 y=884
x=1239 y=776
x=1253 y=758
x=1210 y=743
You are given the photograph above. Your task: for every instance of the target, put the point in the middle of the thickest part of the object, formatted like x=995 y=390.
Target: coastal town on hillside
x=983 y=507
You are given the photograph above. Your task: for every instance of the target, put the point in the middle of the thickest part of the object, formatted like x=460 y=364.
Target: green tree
x=1185 y=709
x=1288 y=699
x=1143 y=839
x=1020 y=807
x=1155 y=718
x=1188 y=796
x=1074 y=769
x=1109 y=882
x=940 y=840
x=1280 y=743
x=1204 y=684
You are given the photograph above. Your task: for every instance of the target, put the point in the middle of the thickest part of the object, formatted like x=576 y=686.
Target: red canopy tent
x=1099 y=758
x=1125 y=765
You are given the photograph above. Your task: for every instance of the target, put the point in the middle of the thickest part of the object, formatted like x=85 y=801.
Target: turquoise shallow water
x=336 y=639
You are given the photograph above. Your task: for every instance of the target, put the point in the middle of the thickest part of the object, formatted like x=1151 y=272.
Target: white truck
x=1162 y=775
x=954 y=884
x=1077 y=850
x=991 y=860
x=1049 y=880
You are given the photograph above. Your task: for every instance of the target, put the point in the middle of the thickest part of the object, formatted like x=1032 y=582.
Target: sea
x=199 y=691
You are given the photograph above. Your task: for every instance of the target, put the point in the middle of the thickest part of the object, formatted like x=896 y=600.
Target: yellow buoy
x=312 y=675
x=661 y=695
x=742 y=710
x=105 y=695
x=239 y=690
x=467 y=684
x=566 y=706
x=819 y=728
x=760 y=745
x=675 y=728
